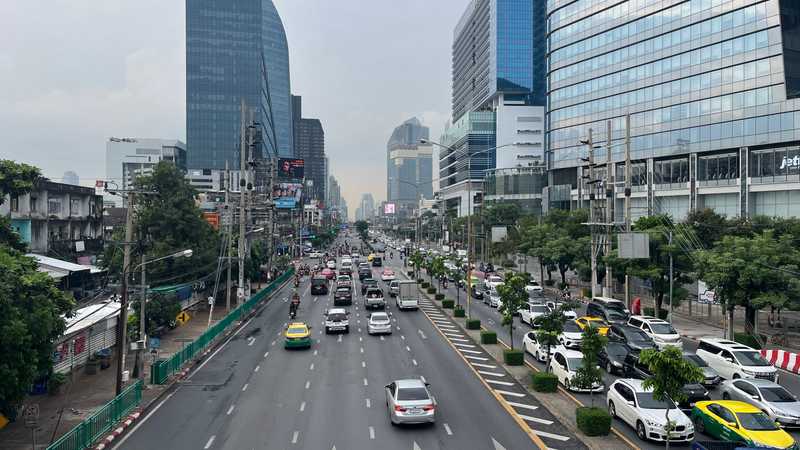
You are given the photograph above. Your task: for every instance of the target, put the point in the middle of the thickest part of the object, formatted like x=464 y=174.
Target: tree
x=416 y=261
x=751 y=273
x=550 y=326
x=32 y=308
x=588 y=374
x=457 y=277
x=532 y=242
x=162 y=309
x=513 y=297
x=437 y=268
x=671 y=372
x=361 y=227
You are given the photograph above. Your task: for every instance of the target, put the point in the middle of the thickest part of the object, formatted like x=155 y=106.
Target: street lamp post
x=470 y=242
x=142 y=330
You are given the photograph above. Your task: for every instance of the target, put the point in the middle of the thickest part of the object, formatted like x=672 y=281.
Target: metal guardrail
x=161 y=370
x=102 y=421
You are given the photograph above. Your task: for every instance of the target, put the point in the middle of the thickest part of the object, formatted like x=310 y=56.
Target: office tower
x=409 y=166
x=309 y=145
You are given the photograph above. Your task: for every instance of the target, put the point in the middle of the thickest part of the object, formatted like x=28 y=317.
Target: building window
x=74 y=207
x=671 y=171
x=718 y=167
x=33 y=204
x=14 y=203
x=775 y=164
x=54 y=206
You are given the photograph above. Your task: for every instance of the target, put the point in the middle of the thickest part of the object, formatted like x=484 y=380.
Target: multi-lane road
x=490 y=318
x=251 y=393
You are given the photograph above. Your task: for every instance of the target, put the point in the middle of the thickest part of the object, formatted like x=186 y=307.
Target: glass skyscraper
x=711 y=87
x=235 y=50
x=409 y=166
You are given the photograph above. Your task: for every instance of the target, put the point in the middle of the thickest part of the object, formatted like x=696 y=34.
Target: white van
x=734 y=360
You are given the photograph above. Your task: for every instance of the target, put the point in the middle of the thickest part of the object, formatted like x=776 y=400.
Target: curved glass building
x=234 y=51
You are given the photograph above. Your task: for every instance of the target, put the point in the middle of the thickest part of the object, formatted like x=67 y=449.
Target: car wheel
x=347 y=329
x=699 y=425
x=612 y=411
x=327 y=331
x=566 y=384
x=640 y=431
x=736 y=376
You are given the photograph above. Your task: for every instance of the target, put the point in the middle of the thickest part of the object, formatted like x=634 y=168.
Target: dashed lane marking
x=487 y=366
x=408 y=348
x=363 y=364
x=361 y=349
x=447 y=430
x=536 y=419
x=360 y=338
x=382 y=338
x=295 y=436
x=257 y=367
x=315 y=352
x=311 y=367
x=302 y=406
x=523 y=405
x=230 y=410
x=371 y=433
x=210 y=442
x=368 y=403
x=244 y=388
x=267 y=354
x=402 y=337
x=273 y=343
x=340 y=338
x=512 y=394
x=366 y=383
x=422 y=335
x=414 y=361
x=308 y=384
x=494 y=374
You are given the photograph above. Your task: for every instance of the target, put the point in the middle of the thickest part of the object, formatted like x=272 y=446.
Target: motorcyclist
x=294 y=305
x=297 y=280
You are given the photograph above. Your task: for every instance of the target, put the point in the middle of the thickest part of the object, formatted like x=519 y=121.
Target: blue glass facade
x=710 y=88
x=233 y=51
x=518 y=41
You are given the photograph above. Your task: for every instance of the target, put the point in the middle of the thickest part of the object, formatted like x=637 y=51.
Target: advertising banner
x=287 y=195
x=291 y=168
x=389 y=208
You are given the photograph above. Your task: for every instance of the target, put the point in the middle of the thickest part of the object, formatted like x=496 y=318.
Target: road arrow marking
x=416 y=447
x=422 y=334
x=497 y=445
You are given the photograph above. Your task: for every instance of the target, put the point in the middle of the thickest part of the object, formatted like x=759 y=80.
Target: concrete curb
x=116 y=432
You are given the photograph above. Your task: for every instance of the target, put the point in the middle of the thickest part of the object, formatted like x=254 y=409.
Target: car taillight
x=399 y=408
x=428 y=407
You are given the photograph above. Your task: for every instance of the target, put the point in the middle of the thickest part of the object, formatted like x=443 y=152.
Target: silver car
x=772 y=398
x=711 y=377
x=410 y=401
x=379 y=323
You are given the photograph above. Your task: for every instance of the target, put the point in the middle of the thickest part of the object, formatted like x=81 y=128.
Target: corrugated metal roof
x=87 y=316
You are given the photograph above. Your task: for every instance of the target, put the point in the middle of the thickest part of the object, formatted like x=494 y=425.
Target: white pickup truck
x=408 y=295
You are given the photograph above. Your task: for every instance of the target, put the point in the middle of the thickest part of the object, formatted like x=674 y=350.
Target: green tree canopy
x=588 y=375
x=513 y=297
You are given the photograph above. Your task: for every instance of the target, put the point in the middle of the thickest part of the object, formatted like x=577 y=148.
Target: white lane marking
x=398 y=328
x=450 y=333
x=460 y=345
x=477 y=358
x=501 y=383
x=363 y=364
x=557 y=437
x=402 y=337
x=470 y=351
x=414 y=361
x=421 y=334
x=250 y=341
x=422 y=378
x=523 y=405
x=359 y=329
x=371 y=433
x=535 y=419
x=487 y=366
x=513 y=394
x=273 y=343
x=210 y=441
x=446 y=327
x=366 y=383
x=369 y=405
x=382 y=338
x=358 y=321
x=494 y=374
x=459 y=339
x=230 y=410
x=408 y=348
x=315 y=353
x=311 y=367
x=218 y=350
x=308 y=384
x=302 y=406
x=340 y=338
x=447 y=430
x=244 y=388
x=361 y=349
x=267 y=354
x=360 y=338
x=295 y=436
x=257 y=367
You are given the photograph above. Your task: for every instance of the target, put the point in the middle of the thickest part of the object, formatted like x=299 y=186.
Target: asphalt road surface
x=490 y=319
x=252 y=393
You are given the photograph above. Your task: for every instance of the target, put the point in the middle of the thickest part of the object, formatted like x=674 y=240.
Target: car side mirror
x=733 y=425
x=631 y=403
x=730 y=360
x=755 y=397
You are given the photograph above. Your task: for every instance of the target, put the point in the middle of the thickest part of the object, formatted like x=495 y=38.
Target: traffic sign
x=31 y=415
x=183 y=317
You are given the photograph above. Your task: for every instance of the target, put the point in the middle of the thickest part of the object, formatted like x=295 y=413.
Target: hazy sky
x=74 y=72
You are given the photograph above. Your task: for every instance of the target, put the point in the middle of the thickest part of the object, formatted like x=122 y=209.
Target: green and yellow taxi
x=594 y=322
x=740 y=422
x=298 y=335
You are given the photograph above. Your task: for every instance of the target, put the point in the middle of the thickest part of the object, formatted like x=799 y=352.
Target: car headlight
x=748 y=372
x=653 y=423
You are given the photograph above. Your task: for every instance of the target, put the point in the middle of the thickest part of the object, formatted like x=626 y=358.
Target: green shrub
x=749 y=340
x=544 y=382
x=448 y=304
x=593 y=421
x=473 y=324
x=459 y=312
x=439 y=297
x=488 y=337
x=652 y=312
x=425 y=285
x=548 y=282
x=54 y=383
x=513 y=357
x=431 y=290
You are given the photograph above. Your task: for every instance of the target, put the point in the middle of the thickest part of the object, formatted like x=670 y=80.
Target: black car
x=612 y=357
x=695 y=392
x=608 y=310
x=633 y=337
x=364 y=272
x=367 y=283
x=319 y=285
x=343 y=296
x=377 y=261
x=477 y=293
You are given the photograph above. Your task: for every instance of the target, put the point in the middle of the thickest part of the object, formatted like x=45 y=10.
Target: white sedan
x=628 y=400
x=538 y=350
x=387 y=275
x=564 y=364
x=533 y=287
x=315 y=255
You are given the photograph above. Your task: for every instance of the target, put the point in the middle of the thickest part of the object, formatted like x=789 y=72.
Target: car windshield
x=616 y=306
x=374 y=293
x=342 y=290
x=637 y=336
x=416 y=393
x=777 y=394
x=647 y=401
x=574 y=363
x=297 y=330
x=539 y=309
x=756 y=422
x=616 y=348
x=337 y=316
x=616 y=316
x=696 y=360
x=662 y=328
x=751 y=358
x=571 y=327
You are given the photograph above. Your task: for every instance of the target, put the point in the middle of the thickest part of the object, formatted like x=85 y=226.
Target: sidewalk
x=83 y=394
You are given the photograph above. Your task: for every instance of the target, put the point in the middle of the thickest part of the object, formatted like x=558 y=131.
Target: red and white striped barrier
x=106 y=442
x=782 y=359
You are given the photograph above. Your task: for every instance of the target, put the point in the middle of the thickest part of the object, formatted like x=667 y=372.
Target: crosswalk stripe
x=474 y=352
x=536 y=419
x=488 y=366
x=501 y=383
x=478 y=358
x=523 y=405
x=513 y=394
x=557 y=437
x=494 y=374
x=460 y=345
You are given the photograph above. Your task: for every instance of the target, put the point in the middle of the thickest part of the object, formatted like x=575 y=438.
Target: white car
x=564 y=364
x=533 y=287
x=568 y=313
x=733 y=360
x=531 y=344
x=531 y=312
x=355 y=257
x=379 y=323
x=315 y=255
x=659 y=330
x=337 y=319
x=628 y=400
x=571 y=336
x=331 y=264
x=492 y=299
x=492 y=281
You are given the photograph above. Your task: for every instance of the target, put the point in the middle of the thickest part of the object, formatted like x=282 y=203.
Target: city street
x=490 y=319
x=252 y=393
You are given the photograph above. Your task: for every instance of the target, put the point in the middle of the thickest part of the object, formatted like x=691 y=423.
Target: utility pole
x=228 y=232
x=610 y=199
x=671 y=305
x=142 y=330
x=593 y=251
x=242 y=198
x=122 y=321
x=628 y=197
